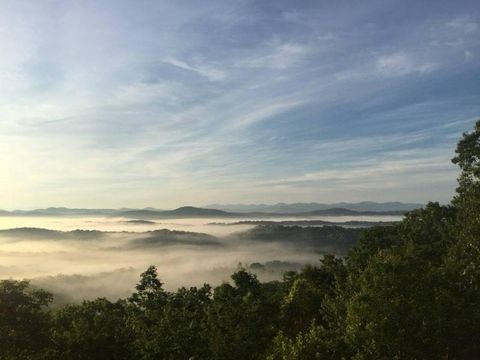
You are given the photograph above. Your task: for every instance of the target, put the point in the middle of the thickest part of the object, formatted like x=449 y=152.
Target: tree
x=312 y=314
x=468 y=159
x=303 y=301
x=168 y=325
x=92 y=330
x=306 y=345
x=462 y=266
x=242 y=318
x=24 y=323
x=149 y=292
x=467 y=200
x=393 y=313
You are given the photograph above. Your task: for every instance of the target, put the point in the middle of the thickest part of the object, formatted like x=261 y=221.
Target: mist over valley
x=102 y=254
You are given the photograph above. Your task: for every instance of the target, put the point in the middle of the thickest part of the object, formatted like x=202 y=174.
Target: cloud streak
x=160 y=104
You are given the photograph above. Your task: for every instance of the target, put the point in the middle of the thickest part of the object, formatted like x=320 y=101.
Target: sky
x=169 y=103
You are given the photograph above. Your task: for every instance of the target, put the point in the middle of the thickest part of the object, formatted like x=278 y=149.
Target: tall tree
x=24 y=323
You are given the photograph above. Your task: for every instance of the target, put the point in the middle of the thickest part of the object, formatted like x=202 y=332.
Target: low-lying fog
x=107 y=259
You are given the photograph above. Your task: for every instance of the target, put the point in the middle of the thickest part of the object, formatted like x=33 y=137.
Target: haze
x=108 y=263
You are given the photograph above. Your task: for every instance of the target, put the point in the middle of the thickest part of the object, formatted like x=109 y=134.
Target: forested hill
x=406 y=291
x=332 y=239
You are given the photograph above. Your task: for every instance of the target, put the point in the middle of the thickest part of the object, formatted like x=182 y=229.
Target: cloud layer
x=114 y=103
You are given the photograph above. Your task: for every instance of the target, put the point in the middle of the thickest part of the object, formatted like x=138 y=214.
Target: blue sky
x=167 y=103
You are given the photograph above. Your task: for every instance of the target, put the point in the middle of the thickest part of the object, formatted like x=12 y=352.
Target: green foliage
x=390 y=313
x=167 y=325
x=306 y=294
x=92 y=330
x=150 y=293
x=467 y=200
x=468 y=159
x=24 y=324
x=242 y=319
x=306 y=345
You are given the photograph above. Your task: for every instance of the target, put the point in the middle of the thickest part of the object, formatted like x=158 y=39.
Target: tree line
x=406 y=291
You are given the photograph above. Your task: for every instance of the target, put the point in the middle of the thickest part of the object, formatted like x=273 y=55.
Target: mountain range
x=256 y=211
x=193 y=212
x=306 y=207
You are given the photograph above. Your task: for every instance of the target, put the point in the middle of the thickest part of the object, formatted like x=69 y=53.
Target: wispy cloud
x=400 y=63
x=465 y=24
x=210 y=73
x=277 y=55
x=220 y=102
x=264 y=112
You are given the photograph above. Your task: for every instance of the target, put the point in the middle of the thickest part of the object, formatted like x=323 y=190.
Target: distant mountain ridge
x=307 y=207
x=194 y=212
x=62 y=211
x=198 y=212
x=184 y=211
